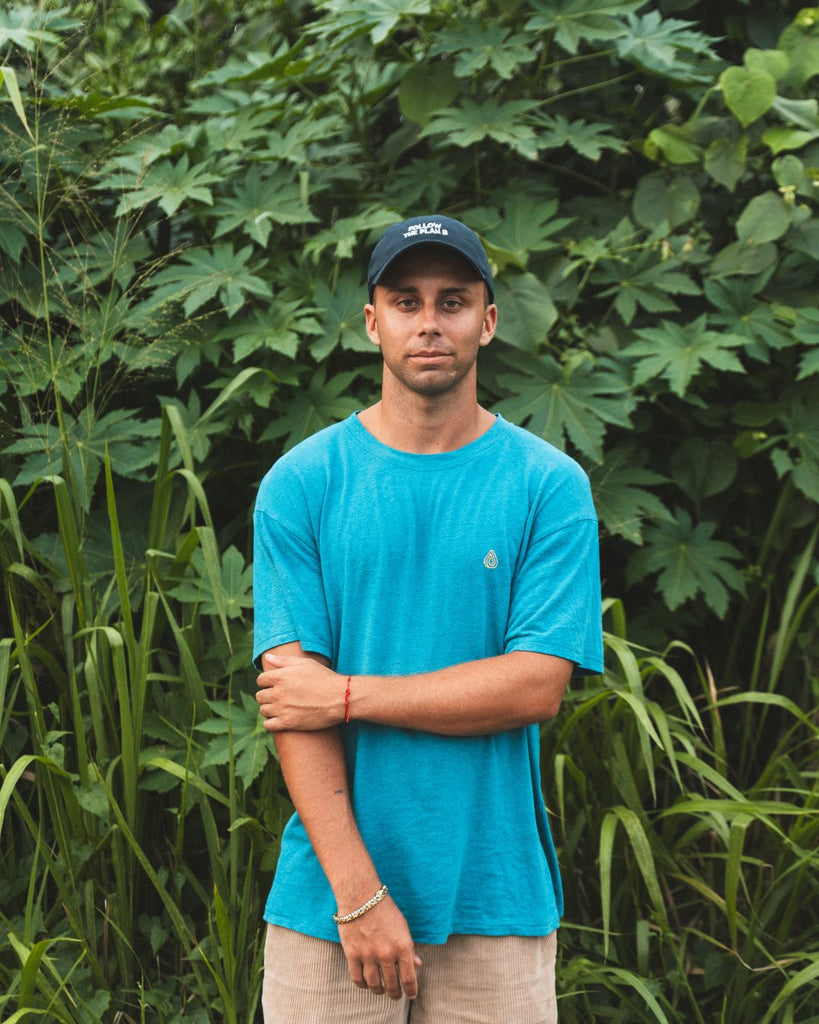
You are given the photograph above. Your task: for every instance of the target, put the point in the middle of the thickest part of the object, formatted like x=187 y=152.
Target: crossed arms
x=302 y=701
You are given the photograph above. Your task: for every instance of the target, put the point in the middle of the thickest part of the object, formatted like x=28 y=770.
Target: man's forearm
x=314 y=769
x=474 y=698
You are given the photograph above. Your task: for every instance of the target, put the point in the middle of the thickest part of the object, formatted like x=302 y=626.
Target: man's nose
x=428 y=321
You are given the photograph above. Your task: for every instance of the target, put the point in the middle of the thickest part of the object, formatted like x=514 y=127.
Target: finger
x=356 y=969
x=392 y=983
x=372 y=977
x=408 y=976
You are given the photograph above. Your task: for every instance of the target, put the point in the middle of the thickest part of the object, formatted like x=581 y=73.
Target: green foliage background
x=188 y=192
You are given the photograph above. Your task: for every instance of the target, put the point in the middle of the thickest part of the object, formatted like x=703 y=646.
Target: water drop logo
x=491 y=560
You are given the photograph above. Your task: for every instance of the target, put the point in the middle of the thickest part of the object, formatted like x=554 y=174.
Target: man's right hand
x=380 y=951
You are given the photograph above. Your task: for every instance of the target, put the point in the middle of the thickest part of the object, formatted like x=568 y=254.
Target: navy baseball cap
x=398 y=238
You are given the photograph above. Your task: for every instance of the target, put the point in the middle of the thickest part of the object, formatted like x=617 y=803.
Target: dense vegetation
x=187 y=195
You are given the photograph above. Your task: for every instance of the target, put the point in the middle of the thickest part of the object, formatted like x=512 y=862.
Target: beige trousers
x=471 y=979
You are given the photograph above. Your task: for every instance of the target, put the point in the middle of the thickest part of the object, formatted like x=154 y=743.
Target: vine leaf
x=472 y=122
x=623 y=502
x=237 y=732
x=170 y=185
x=662 y=45
x=379 y=18
x=571 y=402
x=478 y=46
x=577 y=20
x=318 y=405
x=202 y=274
x=523 y=228
x=259 y=203
x=342 y=319
x=741 y=312
x=588 y=138
x=648 y=283
x=689 y=561
x=677 y=352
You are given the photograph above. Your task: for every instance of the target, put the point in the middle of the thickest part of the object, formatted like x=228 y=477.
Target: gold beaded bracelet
x=371 y=902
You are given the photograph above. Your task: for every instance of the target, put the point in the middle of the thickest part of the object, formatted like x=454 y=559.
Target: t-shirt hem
x=437 y=938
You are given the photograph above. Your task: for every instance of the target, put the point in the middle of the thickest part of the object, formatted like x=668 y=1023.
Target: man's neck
x=425 y=426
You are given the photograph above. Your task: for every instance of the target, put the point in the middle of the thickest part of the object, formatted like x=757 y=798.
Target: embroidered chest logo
x=491 y=560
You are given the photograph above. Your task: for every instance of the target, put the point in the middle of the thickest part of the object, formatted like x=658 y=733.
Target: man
x=426 y=581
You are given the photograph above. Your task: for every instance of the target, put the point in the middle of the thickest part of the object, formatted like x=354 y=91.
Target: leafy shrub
x=187 y=196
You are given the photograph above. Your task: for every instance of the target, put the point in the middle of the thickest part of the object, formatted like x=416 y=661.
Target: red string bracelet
x=347 y=700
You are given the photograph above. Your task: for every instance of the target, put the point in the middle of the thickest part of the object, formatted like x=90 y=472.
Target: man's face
x=429 y=317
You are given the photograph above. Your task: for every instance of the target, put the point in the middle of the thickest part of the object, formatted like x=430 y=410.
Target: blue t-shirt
x=393 y=563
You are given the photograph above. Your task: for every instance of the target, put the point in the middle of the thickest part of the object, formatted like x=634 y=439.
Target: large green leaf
x=521 y=229
x=743 y=259
x=129 y=441
x=661 y=198
x=170 y=185
x=280 y=329
x=425 y=89
x=259 y=203
x=648 y=283
x=677 y=352
x=726 y=159
x=477 y=46
x=343 y=234
x=379 y=18
x=573 y=402
x=318 y=405
x=689 y=562
x=703 y=467
x=588 y=138
x=742 y=312
x=473 y=121
x=621 y=496
x=202 y=274
x=341 y=318
x=667 y=46
x=748 y=93
x=800 y=42
x=526 y=311
x=234 y=583
x=575 y=20
x=765 y=219
x=32 y=26
x=238 y=735
x=806 y=330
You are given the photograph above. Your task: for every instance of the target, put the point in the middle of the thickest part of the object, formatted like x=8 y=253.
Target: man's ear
x=371 y=325
x=490 y=323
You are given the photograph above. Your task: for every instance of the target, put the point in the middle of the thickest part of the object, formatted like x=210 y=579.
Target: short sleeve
x=555 y=603
x=288 y=593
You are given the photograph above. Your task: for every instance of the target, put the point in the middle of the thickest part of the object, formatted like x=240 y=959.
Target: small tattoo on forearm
x=339 y=792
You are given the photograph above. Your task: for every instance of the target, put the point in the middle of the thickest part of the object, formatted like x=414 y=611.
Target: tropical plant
x=187 y=195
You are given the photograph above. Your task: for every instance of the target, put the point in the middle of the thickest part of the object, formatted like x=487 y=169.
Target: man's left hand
x=299 y=694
